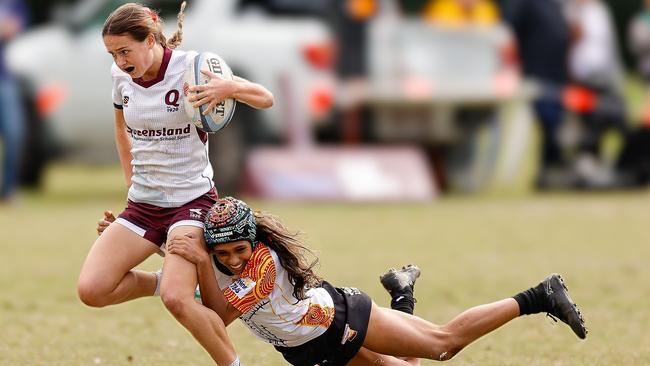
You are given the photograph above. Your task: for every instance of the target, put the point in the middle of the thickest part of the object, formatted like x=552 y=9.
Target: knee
x=449 y=345
x=91 y=294
x=176 y=304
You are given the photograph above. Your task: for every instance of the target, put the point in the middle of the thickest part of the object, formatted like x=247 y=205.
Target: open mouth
x=129 y=69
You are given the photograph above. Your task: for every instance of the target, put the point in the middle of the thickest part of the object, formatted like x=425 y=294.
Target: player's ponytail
x=177 y=37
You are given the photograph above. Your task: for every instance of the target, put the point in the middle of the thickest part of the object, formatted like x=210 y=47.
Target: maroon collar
x=167 y=55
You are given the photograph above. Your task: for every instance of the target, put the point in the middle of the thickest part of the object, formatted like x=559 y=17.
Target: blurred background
x=490 y=141
x=376 y=99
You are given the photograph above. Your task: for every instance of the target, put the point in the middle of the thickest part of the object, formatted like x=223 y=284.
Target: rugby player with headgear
x=169 y=177
x=255 y=269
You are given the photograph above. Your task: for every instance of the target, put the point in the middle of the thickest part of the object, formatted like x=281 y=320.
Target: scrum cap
x=228 y=220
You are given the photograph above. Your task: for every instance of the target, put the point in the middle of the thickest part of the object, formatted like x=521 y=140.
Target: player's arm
x=217 y=89
x=211 y=294
x=253 y=94
x=123 y=144
x=193 y=250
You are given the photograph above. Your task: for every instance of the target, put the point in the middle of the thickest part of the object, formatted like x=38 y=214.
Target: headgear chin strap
x=228 y=220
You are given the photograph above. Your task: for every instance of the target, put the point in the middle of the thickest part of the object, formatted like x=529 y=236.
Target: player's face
x=234 y=255
x=133 y=57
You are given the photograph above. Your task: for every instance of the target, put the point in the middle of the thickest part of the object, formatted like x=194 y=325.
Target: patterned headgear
x=228 y=220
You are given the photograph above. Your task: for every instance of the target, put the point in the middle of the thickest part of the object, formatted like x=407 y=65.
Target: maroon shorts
x=154 y=223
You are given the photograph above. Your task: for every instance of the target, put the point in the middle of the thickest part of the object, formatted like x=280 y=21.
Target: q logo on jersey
x=171 y=100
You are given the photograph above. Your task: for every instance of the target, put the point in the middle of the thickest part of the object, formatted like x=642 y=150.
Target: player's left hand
x=211 y=93
x=188 y=246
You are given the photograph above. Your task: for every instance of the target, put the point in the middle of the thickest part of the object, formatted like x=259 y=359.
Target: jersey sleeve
x=117 y=95
x=255 y=283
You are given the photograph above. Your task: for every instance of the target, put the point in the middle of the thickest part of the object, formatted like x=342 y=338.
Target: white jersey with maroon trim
x=264 y=295
x=170 y=155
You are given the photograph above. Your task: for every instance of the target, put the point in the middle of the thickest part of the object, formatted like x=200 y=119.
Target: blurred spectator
x=594 y=58
x=639 y=42
x=13 y=18
x=349 y=20
x=350 y=23
x=633 y=165
x=462 y=12
x=595 y=66
x=543 y=36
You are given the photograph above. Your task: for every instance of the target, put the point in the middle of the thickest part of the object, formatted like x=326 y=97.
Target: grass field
x=471 y=250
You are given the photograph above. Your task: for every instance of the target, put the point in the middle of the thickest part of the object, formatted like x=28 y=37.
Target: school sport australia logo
x=242 y=286
x=125 y=101
x=171 y=100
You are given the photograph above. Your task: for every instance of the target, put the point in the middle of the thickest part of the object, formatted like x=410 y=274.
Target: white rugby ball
x=221 y=114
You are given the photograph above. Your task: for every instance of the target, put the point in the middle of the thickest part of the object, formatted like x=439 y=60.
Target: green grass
x=471 y=250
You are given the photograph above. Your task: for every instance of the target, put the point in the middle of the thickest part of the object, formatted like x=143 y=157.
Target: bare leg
x=177 y=291
x=400 y=285
x=368 y=357
x=395 y=333
x=107 y=276
x=478 y=321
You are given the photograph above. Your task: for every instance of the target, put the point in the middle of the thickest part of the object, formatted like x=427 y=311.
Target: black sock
x=403 y=301
x=531 y=301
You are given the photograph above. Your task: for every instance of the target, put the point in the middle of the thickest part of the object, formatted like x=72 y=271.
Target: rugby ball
x=221 y=114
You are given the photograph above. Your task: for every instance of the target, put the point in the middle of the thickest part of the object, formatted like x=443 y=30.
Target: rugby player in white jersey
x=166 y=167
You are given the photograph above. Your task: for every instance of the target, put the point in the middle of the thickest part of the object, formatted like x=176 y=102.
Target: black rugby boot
x=397 y=281
x=560 y=306
x=400 y=283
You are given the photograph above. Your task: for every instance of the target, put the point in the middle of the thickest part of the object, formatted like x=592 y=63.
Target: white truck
x=68 y=67
x=454 y=91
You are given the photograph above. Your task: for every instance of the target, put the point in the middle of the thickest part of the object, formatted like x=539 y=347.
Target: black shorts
x=345 y=336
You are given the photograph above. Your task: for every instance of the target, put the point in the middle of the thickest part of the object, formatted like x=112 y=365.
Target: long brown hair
x=292 y=252
x=139 y=21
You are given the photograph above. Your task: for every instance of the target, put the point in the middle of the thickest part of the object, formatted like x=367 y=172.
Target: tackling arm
x=211 y=295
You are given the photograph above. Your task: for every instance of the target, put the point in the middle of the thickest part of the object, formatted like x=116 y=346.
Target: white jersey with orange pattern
x=170 y=155
x=264 y=296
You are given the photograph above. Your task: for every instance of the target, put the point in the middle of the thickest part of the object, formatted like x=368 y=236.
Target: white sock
x=158 y=275
x=235 y=362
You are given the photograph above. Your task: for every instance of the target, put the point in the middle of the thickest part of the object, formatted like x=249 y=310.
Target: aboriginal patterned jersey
x=170 y=155
x=263 y=294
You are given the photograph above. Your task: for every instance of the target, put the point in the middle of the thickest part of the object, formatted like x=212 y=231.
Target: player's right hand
x=103 y=223
x=188 y=246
